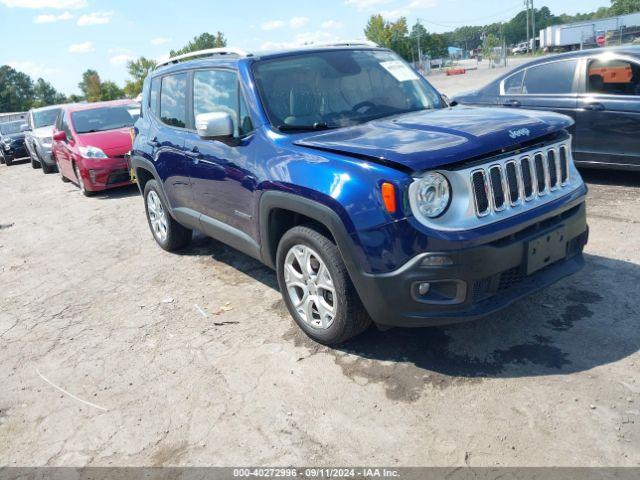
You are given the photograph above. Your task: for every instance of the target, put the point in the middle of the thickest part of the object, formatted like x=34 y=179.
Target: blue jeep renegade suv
x=347 y=172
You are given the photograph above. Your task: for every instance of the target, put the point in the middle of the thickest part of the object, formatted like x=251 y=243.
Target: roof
x=232 y=61
x=76 y=107
x=625 y=50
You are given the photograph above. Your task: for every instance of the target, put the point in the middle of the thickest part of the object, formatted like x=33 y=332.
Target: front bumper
x=479 y=280
x=107 y=173
x=15 y=151
x=44 y=154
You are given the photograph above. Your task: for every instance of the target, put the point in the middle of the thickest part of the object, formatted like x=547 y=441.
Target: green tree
x=16 y=90
x=138 y=70
x=202 y=42
x=44 y=94
x=622 y=7
x=393 y=35
x=110 y=91
x=90 y=86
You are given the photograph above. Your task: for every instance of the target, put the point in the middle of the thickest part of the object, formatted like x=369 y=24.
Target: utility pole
x=419 y=46
x=533 y=28
x=526 y=3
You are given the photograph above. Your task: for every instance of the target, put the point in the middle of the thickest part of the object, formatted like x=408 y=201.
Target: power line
x=468 y=22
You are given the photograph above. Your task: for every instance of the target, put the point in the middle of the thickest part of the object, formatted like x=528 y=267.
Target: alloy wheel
x=310 y=287
x=79 y=177
x=157 y=216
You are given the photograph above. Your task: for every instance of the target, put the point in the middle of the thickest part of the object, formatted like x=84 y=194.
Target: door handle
x=154 y=142
x=512 y=103
x=596 y=107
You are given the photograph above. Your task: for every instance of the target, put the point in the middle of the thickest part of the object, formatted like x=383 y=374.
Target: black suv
x=12 y=145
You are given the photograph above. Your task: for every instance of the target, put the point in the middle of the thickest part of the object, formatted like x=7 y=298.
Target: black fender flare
x=319 y=212
x=138 y=162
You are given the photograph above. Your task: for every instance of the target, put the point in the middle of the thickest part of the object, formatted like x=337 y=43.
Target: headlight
x=47 y=141
x=7 y=141
x=431 y=194
x=92 y=152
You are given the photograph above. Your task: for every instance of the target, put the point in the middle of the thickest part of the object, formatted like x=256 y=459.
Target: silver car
x=40 y=123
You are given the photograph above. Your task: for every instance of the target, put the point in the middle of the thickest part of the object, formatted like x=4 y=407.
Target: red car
x=90 y=142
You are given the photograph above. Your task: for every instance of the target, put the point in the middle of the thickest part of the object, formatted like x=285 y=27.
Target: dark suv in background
x=12 y=145
x=599 y=89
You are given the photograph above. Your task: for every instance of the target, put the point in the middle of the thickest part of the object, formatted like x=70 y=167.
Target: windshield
x=9 y=128
x=44 y=118
x=101 y=119
x=340 y=88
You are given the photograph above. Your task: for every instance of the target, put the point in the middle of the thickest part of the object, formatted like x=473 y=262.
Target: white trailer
x=574 y=35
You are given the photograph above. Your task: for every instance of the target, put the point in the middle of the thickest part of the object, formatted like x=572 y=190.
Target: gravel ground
x=114 y=352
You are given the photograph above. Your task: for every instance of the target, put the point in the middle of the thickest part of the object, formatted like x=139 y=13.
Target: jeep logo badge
x=523 y=132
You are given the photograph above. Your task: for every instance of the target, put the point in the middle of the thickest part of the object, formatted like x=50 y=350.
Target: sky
x=60 y=39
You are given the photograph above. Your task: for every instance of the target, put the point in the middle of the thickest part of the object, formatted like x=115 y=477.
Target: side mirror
x=59 y=137
x=448 y=101
x=24 y=127
x=215 y=126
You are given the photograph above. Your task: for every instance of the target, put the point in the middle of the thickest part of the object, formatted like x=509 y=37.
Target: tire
x=344 y=315
x=1 y=157
x=8 y=161
x=80 y=183
x=34 y=163
x=169 y=234
x=46 y=169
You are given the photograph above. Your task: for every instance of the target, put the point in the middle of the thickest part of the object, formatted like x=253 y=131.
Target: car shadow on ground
x=582 y=322
x=610 y=177
x=117 y=193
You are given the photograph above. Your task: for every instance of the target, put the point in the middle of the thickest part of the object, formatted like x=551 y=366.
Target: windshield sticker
x=399 y=70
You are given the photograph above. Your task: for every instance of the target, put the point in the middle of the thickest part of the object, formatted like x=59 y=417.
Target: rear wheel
x=1 y=156
x=316 y=287
x=169 y=234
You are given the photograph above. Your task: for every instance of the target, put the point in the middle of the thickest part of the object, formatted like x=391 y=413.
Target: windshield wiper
x=305 y=128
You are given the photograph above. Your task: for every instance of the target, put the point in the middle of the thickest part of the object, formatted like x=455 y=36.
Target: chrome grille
x=509 y=183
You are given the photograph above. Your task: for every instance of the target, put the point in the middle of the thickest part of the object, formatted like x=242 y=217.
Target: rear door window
x=173 y=100
x=154 y=92
x=613 y=77
x=550 y=78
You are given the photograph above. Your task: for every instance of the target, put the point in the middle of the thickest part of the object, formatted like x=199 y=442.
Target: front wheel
x=34 y=163
x=317 y=289
x=46 y=168
x=169 y=234
x=81 y=185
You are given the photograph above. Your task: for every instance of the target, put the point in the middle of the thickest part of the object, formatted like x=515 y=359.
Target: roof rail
x=345 y=43
x=210 y=52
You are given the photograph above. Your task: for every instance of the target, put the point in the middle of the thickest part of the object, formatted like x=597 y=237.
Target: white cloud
x=85 y=47
x=331 y=25
x=273 y=25
x=298 y=22
x=305 y=38
x=121 y=59
x=57 y=4
x=295 y=22
x=95 y=18
x=51 y=18
x=33 y=69
x=408 y=9
x=366 y=4
x=160 y=40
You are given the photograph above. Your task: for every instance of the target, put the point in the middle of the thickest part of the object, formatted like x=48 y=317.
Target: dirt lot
x=191 y=359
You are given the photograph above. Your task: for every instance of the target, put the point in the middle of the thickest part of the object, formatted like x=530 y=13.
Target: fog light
x=424 y=288
x=92 y=175
x=437 y=261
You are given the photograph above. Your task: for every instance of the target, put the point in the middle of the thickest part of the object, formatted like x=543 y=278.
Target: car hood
x=429 y=139
x=43 y=132
x=112 y=142
x=13 y=136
